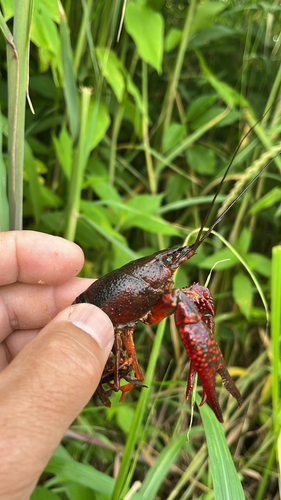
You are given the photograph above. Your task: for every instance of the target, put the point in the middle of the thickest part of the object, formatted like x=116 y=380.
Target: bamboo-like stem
x=78 y=167
x=4 y=207
x=179 y=62
x=82 y=37
x=275 y=334
x=115 y=131
x=145 y=130
x=17 y=59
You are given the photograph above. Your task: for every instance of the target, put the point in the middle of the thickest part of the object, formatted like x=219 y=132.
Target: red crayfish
x=142 y=290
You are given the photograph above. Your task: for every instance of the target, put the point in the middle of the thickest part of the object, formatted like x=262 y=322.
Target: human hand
x=56 y=365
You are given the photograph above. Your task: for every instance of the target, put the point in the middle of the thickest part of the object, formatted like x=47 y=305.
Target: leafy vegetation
x=138 y=109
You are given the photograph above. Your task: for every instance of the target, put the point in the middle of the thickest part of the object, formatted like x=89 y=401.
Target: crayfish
x=142 y=290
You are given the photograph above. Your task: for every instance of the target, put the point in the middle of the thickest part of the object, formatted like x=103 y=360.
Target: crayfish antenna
x=200 y=240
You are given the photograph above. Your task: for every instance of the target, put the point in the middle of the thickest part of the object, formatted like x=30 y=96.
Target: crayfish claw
x=209 y=391
x=191 y=378
x=229 y=384
x=204 y=398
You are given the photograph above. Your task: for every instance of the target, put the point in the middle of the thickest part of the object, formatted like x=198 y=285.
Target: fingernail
x=93 y=321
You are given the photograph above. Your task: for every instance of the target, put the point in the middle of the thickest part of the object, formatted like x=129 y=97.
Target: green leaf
x=259 y=263
x=134 y=91
x=173 y=135
x=227 y=93
x=243 y=293
x=159 y=470
x=266 y=201
x=214 y=32
x=34 y=186
x=173 y=39
x=82 y=474
x=112 y=70
x=148 y=203
x=52 y=7
x=141 y=210
x=212 y=113
x=244 y=240
x=101 y=217
x=44 y=31
x=69 y=82
x=200 y=105
x=41 y=493
x=109 y=235
x=8 y=7
x=77 y=491
x=64 y=150
x=226 y=482
x=134 y=116
x=124 y=417
x=205 y=15
x=209 y=262
x=44 y=86
x=49 y=198
x=201 y=159
x=98 y=123
x=149 y=223
x=146 y=28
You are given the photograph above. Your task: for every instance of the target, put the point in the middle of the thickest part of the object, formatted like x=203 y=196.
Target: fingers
x=33 y=257
x=24 y=307
x=43 y=390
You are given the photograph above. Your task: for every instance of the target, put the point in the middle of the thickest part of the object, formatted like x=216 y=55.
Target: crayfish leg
x=125 y=388
x=117 y=349
x=132 y=353
x=104 y=396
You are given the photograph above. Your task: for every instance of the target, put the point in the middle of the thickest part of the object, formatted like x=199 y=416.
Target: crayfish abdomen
x=142 y=291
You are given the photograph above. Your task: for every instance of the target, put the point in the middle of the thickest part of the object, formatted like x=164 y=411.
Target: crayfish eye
x=168 y=260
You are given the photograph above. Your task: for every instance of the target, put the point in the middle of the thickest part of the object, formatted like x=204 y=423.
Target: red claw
x=195 y=324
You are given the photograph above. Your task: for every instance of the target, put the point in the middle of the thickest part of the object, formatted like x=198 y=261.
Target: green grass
x=126 y=147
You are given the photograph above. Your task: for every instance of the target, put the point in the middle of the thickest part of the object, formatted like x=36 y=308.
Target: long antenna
x=198 y=240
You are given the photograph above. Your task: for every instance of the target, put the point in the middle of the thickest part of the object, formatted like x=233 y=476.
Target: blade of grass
x=4 y=206
x=136 y=426
x=17 y=60
x=145 y=131
x=126 y=250
x=275 y=334
x=79 y=164
x=226 y=482
x=70 y=89
x=161 y=467
x=179 y=62
x=82 y=36
x=183 y=145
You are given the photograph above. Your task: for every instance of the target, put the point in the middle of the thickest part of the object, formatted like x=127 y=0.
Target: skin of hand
x=51 y=356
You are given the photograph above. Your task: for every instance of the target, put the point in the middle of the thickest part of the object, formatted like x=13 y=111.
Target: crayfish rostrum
x=142 y=290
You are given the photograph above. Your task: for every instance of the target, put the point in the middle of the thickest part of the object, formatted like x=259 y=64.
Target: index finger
x=33 y=257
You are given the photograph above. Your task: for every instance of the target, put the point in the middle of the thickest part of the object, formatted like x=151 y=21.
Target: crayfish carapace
x=142 y=290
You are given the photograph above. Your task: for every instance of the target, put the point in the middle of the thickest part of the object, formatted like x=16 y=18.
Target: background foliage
x=138 y=109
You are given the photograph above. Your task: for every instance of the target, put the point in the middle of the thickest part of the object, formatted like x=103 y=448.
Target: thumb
x=44 y=389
